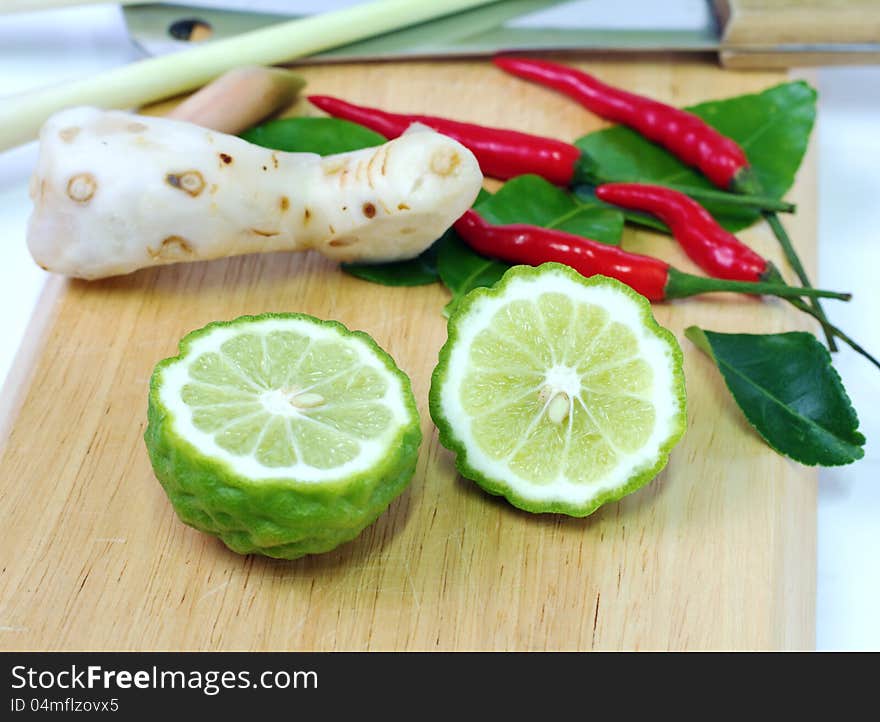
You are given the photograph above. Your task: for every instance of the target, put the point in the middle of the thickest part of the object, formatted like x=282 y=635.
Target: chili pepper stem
x=773 y=275
x=795 y=262
x=832 y=329
x=682 y=285
x=745 y=183
x=586 y=172
x=764 y=203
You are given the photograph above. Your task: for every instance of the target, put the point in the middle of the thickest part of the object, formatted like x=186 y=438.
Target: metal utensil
x=771 y=34
x=510 y=25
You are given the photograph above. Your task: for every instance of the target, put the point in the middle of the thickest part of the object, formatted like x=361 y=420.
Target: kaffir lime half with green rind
x=282 y=434
x=560 y=393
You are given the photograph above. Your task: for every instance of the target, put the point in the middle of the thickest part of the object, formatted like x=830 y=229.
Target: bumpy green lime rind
x=452 y=440
x=281 y=518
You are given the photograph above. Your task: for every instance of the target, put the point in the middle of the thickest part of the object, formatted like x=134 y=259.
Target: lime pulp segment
x=558 y=392
x=285 y=398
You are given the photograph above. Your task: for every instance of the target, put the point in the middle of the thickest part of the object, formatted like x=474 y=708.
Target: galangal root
x=115 y=192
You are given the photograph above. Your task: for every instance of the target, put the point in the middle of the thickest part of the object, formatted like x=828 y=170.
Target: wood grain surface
x=749 y=23
x=798 y=33
x=717 y=553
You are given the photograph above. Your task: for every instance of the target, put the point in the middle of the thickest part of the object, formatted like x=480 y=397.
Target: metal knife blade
x=513 y=25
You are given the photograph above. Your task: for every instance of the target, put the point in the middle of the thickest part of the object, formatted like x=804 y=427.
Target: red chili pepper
x=501 y=153
x=717 y=251
x=508 y=153
x=682 y=133
x=533 y=245
x=651 y=277
x=714 y=249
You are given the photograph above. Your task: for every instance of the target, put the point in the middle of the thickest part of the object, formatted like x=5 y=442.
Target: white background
x=41 y=48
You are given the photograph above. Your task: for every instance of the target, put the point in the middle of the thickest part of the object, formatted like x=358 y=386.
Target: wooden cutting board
x=718 y=552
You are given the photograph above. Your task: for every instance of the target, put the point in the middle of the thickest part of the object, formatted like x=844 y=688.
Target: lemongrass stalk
x=27 y=6
x=149 y=80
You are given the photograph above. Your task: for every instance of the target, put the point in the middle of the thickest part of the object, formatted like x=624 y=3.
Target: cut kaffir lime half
x=282 y=434
x=558 y=392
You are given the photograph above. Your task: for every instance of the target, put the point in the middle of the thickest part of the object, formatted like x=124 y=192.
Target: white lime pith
x=281 y=434
x=558 y=392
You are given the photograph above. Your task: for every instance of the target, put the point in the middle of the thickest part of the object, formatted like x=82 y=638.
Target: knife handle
x=786 y=33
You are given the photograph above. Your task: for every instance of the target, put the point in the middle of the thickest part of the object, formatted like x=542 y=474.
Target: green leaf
x=324 y=136
x=789 y=392
x=773 y=127
x=532 y=200
x=524 y=199
x=462 y=269
x=418 y=271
